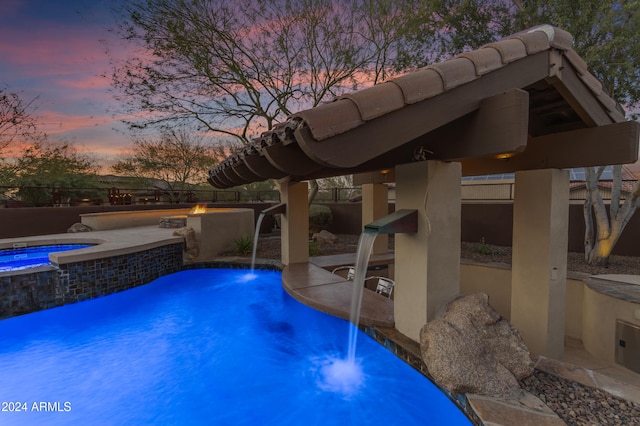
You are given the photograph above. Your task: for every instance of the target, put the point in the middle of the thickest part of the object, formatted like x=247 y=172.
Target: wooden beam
x=498 y=127
x=581 y=98
x=379 y=176
x=597 y=146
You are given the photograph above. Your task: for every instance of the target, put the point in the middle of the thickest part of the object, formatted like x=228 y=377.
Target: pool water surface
x=205 y=347
x=30 y=257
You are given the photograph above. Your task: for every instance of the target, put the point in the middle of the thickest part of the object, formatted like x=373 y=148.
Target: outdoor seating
x=351 y=271
x=384 y=285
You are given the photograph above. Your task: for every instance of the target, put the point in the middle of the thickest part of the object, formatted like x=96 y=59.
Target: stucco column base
x=375 y=204
x=295 y=223
x=427 y=264
x=539 y=263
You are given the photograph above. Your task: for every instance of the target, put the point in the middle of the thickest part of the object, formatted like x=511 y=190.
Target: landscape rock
x=79 y=227
x=472 y=349
x=325 y=237
x=191 y=243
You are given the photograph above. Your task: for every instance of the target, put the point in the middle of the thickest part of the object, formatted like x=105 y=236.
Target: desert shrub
x=320 y=217
x=243 y=245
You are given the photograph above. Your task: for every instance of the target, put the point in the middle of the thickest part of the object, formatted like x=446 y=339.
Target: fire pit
x=180 y=220
x=216 y=228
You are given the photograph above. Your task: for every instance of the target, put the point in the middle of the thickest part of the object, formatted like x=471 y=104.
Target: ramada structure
x=525 y=104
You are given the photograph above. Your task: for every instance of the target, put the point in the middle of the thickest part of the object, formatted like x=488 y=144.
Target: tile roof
x=384 y=125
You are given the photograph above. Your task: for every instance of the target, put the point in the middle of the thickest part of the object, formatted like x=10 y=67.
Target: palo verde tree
x=607 y=36
x=237 y=68
x=178 y=158
x=17 y=122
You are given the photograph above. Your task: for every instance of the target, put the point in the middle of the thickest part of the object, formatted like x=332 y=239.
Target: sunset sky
x=55 y=50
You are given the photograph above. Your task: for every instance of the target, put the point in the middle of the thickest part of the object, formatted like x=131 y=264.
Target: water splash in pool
x=339 y=376
x=249 y=276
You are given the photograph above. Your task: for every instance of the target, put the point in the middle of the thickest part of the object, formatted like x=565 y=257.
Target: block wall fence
x=491 y=223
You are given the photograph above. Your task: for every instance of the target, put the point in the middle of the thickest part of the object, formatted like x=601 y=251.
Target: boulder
x=191 y=243
x=472 y=349
x=79 y=227
x=325 y=237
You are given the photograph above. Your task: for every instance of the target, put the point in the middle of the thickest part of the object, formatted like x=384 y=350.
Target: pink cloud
x=46 y=51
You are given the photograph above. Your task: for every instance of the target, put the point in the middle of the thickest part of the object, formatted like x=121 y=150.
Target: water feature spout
x=280 y=208
x=403 y=221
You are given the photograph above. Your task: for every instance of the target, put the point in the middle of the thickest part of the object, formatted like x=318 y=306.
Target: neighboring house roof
x=627 y=183
x=524 y=102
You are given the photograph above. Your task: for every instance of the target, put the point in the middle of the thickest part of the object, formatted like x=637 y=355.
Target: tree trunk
x=600 y=239
x=313 y=191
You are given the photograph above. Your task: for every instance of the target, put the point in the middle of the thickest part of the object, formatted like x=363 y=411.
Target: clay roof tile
x=578 y=63
x=484 y=60
x=535 y=41
x=592 y=83
x=456 y=71
x=420 y=85
x=332 y=118
x=377 y=100
x=510 y=49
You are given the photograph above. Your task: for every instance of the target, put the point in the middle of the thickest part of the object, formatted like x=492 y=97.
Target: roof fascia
x=582 y=91
x=392 y=130
x=577 y=148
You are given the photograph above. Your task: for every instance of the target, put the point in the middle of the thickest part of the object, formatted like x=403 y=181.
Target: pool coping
x=107 y=243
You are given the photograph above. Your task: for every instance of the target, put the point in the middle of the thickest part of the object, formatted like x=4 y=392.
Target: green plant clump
x=486 y=249
x=320 y=217
x=243 y=245
x=314 y=248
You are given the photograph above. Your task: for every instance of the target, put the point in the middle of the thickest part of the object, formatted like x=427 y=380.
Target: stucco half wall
x=590 y=315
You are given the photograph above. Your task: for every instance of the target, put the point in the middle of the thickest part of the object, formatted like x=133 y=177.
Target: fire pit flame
x=198 y=209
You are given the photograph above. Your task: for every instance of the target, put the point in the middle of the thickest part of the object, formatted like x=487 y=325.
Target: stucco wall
x=491 y=222
x=495 y=281
x=27 y=222
x=590 y=316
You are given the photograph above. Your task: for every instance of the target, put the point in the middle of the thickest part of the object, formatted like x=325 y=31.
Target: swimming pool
x=30 y=257
x=204 y=346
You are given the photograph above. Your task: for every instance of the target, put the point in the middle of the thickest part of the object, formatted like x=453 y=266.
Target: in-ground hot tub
x=21 y=256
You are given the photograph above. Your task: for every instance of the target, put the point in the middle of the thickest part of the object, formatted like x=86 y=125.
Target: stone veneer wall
x=73 y=282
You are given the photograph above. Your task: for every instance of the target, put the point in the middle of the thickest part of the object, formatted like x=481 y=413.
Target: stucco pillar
x=427 y=264
x=539 y=263
x=375 y=204
x=295 y=223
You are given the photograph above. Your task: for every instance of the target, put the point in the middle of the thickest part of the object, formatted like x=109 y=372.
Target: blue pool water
x=204 y=347
x=30 y=257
